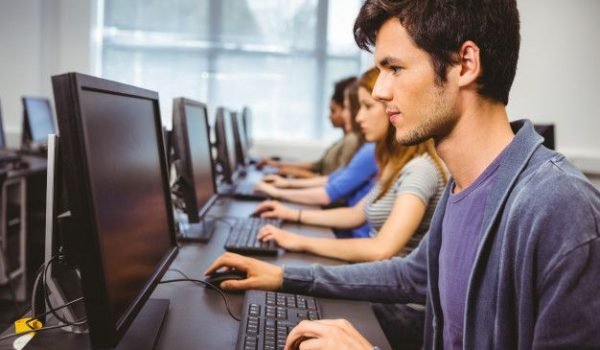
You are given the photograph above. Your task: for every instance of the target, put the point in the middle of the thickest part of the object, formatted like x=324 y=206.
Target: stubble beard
x=436 y=123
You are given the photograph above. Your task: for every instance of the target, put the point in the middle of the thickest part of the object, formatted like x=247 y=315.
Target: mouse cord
x=205 y=284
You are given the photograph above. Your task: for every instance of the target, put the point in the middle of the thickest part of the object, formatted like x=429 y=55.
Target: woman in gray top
x=398 y=208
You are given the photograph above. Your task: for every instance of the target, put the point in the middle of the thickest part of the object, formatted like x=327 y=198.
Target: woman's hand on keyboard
x=285 y=239
x=260 y=275
x=276 y=180
x=326 y=334
x=275 y=210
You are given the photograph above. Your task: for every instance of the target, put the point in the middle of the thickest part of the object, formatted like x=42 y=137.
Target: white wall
x=558 y=77
x=39 y=38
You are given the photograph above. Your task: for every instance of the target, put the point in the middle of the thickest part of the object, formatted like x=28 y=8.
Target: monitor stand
x=144 y=332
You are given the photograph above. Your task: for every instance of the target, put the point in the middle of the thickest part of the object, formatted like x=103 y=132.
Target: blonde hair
x=390 y=153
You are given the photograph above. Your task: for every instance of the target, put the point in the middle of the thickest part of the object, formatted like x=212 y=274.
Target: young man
x=512 y=257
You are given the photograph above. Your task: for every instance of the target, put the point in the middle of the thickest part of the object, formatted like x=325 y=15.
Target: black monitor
x=547 y=132
x=168 y=142
x=247 y=121
x=2 y=135
x=38 y=122
x=239 y=136
x=192 y=146
x=225 y=144
x=120 y=232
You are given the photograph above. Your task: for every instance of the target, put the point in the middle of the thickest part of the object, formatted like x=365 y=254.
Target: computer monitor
x=192 y=146
x=225 y=144
x=248 y=126
x=241 y=144
x=120 y=232
x=168 y=142
x=38 y=122
x=2 y=136
x=547 y=132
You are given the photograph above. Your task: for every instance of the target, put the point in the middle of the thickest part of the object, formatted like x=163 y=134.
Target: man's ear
x=470 y=64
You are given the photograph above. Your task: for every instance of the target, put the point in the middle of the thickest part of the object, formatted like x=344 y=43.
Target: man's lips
x=393 y=116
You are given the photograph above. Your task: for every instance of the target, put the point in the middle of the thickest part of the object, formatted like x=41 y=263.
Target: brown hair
x=441 y=27
x=390 y=153
x=352 y=93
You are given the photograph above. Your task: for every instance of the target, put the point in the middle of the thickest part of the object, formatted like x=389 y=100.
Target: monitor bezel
x=181 y=142
x=82 y=240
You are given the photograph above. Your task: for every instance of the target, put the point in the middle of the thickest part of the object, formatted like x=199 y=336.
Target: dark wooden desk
x=197 y=317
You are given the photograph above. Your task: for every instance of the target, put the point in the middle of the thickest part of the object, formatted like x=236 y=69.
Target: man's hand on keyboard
x=285 y=239
x=326 y=334
x=260 y=275
x=274 y=209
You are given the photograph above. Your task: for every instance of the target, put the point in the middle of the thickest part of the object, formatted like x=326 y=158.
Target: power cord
x=47 y=298
x=203 y=283
x=42 y=271
x=31 y=331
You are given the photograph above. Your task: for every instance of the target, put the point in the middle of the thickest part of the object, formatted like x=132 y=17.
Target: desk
x=197 y=317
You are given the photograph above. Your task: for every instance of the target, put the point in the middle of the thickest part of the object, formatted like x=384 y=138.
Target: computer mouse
x=217 y=277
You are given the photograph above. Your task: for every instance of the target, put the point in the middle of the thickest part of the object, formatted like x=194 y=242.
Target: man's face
x=335 y=115
x=418 y=108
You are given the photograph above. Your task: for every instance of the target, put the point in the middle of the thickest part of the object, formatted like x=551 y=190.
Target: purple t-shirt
x=461 y=234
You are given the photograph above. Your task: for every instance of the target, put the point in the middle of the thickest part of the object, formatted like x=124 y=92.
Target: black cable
x=206 y=284
x=31 y=331
x=37 y=317
x=47 y=298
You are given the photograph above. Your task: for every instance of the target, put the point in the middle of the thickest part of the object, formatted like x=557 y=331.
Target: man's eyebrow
x=388 y=61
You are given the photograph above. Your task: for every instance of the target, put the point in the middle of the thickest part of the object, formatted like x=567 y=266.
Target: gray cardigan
x=535 y=283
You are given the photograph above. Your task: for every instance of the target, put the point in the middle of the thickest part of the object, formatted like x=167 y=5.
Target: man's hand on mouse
x=260 y=275
x=274 y=209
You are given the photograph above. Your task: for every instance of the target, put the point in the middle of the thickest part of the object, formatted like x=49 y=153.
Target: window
x=280 y=57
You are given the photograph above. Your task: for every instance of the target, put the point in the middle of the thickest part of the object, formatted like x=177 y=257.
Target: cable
x=31 y=331
x=204 y=283
x=37 y=317
x=47 y=298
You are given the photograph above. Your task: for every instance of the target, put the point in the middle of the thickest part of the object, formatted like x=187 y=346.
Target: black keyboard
x=242 y=237
x=268 y=318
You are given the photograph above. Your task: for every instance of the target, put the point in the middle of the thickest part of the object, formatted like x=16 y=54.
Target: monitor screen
x=226 y=143
x=39 y=118
x=190 y=126
x=2 y=140
x=547 y=132
x=241 y=146
x=118 y=192
x=247 y=121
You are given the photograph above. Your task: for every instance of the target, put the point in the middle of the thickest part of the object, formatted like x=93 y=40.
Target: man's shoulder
x=554 y=202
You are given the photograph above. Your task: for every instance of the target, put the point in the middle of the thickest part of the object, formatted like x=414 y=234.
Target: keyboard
x=242 y=237
x=268 y=318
